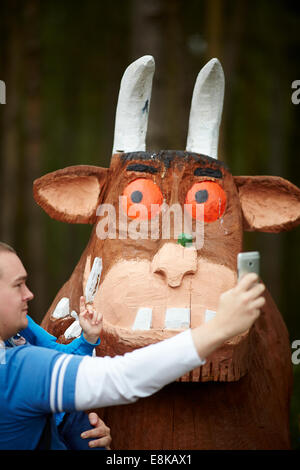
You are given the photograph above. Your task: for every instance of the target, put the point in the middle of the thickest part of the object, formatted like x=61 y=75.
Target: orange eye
x=211 y=195
x=141 y=199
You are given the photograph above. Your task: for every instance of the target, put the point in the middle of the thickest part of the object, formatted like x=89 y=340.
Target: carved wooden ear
x=269 y=203
x=72 y=194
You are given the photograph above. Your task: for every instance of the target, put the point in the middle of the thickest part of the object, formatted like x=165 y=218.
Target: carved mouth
x=140 y=309
x=142 y=336
x=120 y=340
x=176 y=318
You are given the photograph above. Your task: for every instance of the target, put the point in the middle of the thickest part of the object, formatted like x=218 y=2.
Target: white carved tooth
x=74 y=315
x=62 y=309
x=86 y=272
x=177 y=318
x=73 y=331
x=93 y=280
x=143 y=319
x=209 y=315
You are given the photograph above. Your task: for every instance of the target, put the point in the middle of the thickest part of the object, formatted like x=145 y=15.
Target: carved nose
x=175 y=261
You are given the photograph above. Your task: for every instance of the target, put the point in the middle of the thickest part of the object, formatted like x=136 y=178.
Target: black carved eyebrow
x=215 y=173
x=142 y=168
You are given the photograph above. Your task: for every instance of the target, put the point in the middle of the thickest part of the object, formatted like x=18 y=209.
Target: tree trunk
x=32 y=151
x=157 y=31
x=10 y=137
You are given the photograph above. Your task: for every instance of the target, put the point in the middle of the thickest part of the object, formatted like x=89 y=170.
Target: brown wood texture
x=240 y=398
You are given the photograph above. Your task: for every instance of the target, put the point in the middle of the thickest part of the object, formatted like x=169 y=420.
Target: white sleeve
x=123 y=379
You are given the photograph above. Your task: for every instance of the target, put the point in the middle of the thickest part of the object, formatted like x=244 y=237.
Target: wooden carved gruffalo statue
x=149 y=286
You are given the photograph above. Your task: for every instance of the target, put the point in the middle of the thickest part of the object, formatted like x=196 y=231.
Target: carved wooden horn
x=133 y=106
x=206 y=110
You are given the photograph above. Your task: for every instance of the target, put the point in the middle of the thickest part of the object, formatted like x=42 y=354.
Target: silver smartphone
x=248 y=262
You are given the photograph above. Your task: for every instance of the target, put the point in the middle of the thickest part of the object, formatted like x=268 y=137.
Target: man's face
x=14 y=295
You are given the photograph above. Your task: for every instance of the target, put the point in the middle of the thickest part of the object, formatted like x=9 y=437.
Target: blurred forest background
x=62 y=62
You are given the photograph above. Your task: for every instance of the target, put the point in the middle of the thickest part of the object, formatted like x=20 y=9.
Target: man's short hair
x=5 y=247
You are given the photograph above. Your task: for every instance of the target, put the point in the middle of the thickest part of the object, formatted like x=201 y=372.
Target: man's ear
x=269 y=203
x=72 y=194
